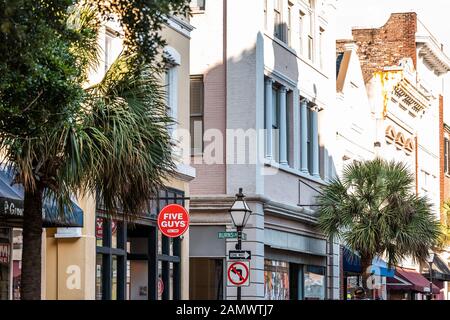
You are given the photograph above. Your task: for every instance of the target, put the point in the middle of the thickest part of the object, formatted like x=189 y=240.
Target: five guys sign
x=173 y=220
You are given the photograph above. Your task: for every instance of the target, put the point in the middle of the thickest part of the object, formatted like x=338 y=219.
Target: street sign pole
x=239 y=247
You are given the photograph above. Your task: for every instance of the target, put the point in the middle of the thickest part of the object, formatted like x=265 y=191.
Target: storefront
x=440 y=276
x=134 y=261
x=207 y=263
x=408 y=284
x=291 y=281
x=11 y=221
x=294 y=266
x=352 y=275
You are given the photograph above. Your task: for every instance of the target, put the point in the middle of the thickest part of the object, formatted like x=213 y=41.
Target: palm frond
x=374 y=210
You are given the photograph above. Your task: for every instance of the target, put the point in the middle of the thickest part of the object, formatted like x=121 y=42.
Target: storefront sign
x=173 y=220
x=231 y=235
x=239 y=255
x=99 y=227
x=238 y=274
x=4 y=253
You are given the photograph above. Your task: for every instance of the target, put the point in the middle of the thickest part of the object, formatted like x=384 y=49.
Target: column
x=283 y=126
x=315 y=143
x=304 y=135
x=268 y=114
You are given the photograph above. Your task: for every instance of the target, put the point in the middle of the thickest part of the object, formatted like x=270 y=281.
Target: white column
x=315 y=142
x=283 y=126
x=296 y=128
x=268 y=112
x=304 y=135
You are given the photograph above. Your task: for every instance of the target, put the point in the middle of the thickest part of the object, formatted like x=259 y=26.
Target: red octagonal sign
x=173 y=220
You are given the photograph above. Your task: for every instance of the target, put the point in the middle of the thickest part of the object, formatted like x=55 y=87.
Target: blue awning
x=11 y=206
x=352 y=264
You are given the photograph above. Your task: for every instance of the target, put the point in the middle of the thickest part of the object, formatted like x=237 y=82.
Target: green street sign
x=231 y=235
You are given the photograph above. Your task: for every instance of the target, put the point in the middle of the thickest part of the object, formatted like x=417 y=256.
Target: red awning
x=410 y=280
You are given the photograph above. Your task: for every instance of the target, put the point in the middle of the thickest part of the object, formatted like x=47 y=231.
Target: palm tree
x=374 y=211
x=113 y=143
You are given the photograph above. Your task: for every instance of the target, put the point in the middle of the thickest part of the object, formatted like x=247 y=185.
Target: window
x=206 y=279
x=310 y=37
x=133 y=260
x=309 y=140
x=109 y=49
x=171 y=84
x=196 y=114
x=314 y=283
x=289 y=24
x=277 y=20
x=446 y=156
x=321 y=46
x=276 y=280
x=111 y=271
x=276 y=123
x=265 y=14
x=198 y=5
x=301 y=31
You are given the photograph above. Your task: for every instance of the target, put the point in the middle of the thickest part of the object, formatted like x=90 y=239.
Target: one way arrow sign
x=239 y=255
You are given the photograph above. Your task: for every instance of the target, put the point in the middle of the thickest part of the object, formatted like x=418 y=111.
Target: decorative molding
x=401 y=142
x=432 y=54
x=179 y=25
x=390 y=134
x=172 y=54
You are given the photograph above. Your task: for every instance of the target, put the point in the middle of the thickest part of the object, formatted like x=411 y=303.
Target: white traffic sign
x=238 y=274
x=239 y=255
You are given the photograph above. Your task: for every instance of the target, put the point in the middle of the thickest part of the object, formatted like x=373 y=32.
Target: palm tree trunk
x=32 y=243
x=366 y=263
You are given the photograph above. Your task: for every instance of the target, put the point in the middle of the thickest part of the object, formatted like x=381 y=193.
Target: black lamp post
x=240 y=212
x=430 y=261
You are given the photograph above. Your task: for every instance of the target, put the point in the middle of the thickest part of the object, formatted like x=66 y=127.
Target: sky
x=374 y=13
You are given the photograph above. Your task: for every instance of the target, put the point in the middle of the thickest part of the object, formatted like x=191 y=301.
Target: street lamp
x=430 y=261
x=240 y=212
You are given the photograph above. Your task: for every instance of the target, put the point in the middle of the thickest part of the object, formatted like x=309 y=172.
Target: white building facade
x=263 y=83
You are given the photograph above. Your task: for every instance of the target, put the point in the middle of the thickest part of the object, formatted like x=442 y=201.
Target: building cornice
x=222 y=203
x=411 y=97
x=179 y=25
x=432 y=54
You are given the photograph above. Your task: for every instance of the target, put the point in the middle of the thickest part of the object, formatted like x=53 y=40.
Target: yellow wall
x=67 y=260
x=70 y=263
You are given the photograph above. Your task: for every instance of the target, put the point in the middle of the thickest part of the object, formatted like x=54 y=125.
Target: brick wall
x=386 y=46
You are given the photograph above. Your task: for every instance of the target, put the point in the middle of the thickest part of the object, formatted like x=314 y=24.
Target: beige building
x=111 y=259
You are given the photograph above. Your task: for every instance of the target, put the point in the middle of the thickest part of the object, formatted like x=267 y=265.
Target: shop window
x=206 y=279
x=126 y=254
x=314 y=283
x=276 y=280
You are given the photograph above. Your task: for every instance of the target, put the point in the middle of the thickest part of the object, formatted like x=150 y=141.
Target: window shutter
x=196 y=95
